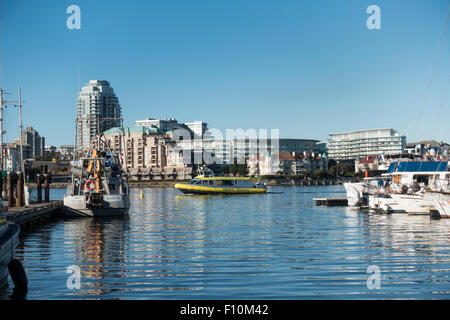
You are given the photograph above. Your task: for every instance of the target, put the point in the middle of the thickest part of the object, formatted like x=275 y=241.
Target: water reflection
x=99 y=250
x=271 y=246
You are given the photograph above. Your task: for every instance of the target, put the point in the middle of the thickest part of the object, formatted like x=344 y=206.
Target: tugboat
x=9 y=239
x=206 y=183
x=99 y=185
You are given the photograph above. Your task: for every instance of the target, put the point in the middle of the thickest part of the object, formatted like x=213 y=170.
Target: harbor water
x=278 y=245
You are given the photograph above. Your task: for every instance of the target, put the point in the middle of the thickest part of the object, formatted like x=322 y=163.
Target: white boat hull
x=402 y=203
x=441 y=203
x=354 y=193
x=112 y=206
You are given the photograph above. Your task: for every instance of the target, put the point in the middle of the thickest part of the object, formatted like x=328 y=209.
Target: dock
x=331 y=201
x=34 y=214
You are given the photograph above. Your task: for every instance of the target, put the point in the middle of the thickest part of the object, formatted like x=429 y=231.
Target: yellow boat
x=220 y=185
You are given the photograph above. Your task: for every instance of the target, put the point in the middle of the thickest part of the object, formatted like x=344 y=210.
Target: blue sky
x=309 y=68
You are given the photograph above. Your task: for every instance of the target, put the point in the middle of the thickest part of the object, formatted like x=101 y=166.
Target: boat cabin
x=415 y=175
x=222 y=182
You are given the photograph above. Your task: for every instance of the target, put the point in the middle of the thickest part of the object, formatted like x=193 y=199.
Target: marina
x=411 y=187
x=269 y=246
x=220 y=150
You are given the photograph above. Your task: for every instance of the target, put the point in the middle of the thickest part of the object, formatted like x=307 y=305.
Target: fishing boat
x=9 y=239
x=221 y=185
x=99 y=186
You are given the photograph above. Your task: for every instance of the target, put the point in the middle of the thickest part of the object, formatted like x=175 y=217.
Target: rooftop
x=132 y=129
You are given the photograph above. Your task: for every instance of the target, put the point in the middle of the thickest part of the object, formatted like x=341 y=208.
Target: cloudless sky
x=309 y=68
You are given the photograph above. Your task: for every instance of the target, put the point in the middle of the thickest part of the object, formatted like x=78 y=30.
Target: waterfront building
x=192 y=137
x=98 y=110
x=66 y=151
x=428 y=147
x=201 y=146
x=50 y=149
x=357 y=144
x=11 y=157
x=148 y=153
x=163 y=125
x=240 y=150
x=196 y=128
x=286 y=163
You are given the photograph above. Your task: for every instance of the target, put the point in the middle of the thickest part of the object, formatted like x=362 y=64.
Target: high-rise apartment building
x=362 y=143
x=98 y=111
x=33 y=143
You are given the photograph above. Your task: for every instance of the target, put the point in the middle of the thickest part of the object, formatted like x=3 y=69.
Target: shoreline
x=283 y=182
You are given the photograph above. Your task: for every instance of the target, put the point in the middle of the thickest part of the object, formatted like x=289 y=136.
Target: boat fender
x=90 y=185
x=19 y=278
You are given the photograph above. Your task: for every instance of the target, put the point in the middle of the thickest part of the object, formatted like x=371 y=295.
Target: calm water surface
x=272 y=246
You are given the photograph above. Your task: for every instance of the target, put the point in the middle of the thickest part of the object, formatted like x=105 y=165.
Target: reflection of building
x=357 y=144
x=98 y=110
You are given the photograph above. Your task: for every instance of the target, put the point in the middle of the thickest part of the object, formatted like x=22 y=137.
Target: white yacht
x=358 y=192
x=408 y=190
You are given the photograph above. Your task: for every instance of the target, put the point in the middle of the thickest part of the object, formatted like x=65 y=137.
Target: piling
x=10 y=188
x=20 y=190
x=47 y=187
x=39 y=188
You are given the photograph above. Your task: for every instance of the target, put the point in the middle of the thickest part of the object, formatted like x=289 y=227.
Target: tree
x=225 y=169
x=242 y=169
x=319 y=174
x=332 y=171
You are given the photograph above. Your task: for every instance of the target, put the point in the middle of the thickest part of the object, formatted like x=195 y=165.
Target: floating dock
x=331 y=201
x=35 y=213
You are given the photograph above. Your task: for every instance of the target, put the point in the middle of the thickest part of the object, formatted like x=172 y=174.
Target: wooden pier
x=331 y=201
x=35 y=213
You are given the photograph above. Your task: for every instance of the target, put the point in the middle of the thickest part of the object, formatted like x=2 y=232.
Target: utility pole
x=22 y=165
x=2 y=163
x=1 y=129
